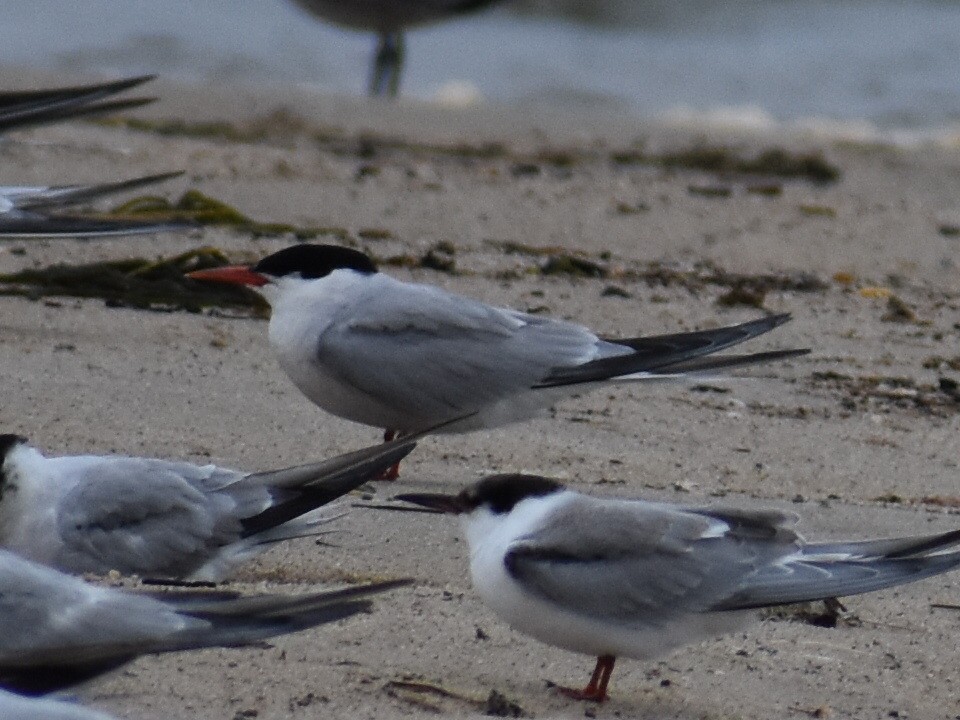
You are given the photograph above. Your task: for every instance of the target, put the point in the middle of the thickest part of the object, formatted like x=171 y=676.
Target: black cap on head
x=502 y=492
x=314 y=261
x=7 y=443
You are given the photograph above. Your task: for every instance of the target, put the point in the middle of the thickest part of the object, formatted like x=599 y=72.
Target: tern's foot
x=391 y=473
x=590 y=694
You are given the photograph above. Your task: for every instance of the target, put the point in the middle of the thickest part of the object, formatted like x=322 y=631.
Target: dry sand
x=863 y=418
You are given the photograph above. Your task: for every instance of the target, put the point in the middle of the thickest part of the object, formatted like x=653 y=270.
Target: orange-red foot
x=588 y=693
x=392 y=472
x=596 y=689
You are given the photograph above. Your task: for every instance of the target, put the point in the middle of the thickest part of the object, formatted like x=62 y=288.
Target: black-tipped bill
x=453 y=504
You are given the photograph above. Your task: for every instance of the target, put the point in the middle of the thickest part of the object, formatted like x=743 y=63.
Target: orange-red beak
x=233 y=274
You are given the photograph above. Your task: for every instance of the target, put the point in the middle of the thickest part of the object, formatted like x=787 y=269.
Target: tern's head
x=297 y=262
x=8 y=445
x=496 y=494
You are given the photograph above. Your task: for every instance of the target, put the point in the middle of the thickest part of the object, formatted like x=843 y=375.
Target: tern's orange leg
x=392 y=472
x=596 y=689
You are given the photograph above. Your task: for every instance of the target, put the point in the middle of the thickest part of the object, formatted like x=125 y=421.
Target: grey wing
x=24 y=108
x=152 y=517
x=643 y=563
x=47 y=617
x=447 y=355
x=25 y=211
x=19 y=707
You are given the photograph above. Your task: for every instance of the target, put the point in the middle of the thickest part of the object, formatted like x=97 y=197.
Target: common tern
x=18 y=707
x=614 y=577
x=404 y=356
x=57 y=630
x=388 y=18
x=158 y=518
x=26 y=108
x=41 y=211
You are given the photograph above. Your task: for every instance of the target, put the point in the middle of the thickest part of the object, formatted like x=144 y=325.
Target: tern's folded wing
x=642 y=563
x=413 y=346
x=152 y=518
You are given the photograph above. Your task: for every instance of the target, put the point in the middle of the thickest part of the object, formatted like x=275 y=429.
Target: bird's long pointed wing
x=25 y=210
x=676 y=353
x=55 y=629
x=836 y=569
x=320 y=483
x=42 y=226
x=59 y=196
x=35 y=107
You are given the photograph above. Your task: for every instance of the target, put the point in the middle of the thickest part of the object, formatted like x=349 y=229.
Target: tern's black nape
x=314 y=261
x=7 y=443
x=502 y=492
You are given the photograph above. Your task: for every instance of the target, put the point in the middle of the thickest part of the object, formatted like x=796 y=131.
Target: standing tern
x=18 y=707
x=57 y=631
x=26 y=108
x=404 y=356
x=613 y=577
x=38 y=211
x=159 y=518
x=388 y=18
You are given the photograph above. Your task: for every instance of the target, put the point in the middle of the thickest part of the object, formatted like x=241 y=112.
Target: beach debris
x=284 y=126
x=573 y=265
x=195 y=206
x=711 y=191
x=776 y=162
x=814 y=210
x=828 y=613
x=141 y=283
x=428 y=695
x=743 y=294
x=868 y=392
x=440 y=257
x=898 y=311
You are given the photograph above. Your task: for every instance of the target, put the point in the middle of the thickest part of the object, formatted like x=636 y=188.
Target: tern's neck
x=24 y=473
x=488 y=530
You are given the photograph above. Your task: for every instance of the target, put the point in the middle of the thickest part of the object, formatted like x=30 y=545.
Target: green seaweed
x=158 y=284
x=195 y=206
x=279 y=125
x=567 y=264
x=775 y=162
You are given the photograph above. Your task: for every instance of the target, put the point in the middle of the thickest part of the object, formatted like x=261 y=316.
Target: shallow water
x=887 y=63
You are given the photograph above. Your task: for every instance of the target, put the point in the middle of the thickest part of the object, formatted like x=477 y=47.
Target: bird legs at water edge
x=387 y=65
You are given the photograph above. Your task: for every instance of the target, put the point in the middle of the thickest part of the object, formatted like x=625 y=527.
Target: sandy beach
x=618 y=224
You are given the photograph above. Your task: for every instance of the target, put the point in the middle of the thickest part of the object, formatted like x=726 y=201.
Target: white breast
x=491 y=536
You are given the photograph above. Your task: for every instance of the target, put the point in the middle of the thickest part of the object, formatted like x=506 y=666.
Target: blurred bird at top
x=389 y=19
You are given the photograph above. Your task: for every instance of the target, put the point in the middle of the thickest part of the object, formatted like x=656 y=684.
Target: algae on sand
x=195 y=206
x=159 y=284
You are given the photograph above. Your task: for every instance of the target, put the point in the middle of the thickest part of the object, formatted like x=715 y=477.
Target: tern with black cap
x=404 y=356
x=160 y=518
x=615 y=578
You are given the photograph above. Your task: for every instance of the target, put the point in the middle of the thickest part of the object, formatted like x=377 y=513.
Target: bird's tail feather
x=825 y=570
x=251 y=619
x=662 y=356
x=36 y=107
